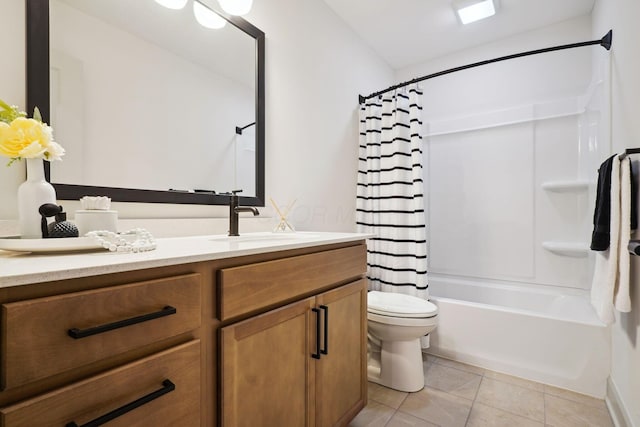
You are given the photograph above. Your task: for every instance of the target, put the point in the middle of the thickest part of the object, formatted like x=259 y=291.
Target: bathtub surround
x=390 y=195
x=509 y=120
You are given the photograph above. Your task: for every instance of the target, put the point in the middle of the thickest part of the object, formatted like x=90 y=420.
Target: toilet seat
x=399 y=305
x=402 y=321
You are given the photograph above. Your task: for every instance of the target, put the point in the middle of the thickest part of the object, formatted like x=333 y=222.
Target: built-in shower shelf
x=574 y=186
x=570 y=249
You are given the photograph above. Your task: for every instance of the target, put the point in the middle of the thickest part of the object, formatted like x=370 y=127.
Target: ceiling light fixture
x=471 y=11
x=236 y=7
x=172 y=4
x=207 y=17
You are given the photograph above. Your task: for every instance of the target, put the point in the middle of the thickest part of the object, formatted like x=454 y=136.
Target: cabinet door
x=266 y=368
x=341 y=378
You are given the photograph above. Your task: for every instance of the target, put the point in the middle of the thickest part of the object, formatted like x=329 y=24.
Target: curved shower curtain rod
x=604 y=42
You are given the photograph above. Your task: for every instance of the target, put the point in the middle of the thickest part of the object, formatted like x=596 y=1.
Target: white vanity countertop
x=20 y=268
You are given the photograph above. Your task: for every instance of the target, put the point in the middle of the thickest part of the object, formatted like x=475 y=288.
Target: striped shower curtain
x=390 y=196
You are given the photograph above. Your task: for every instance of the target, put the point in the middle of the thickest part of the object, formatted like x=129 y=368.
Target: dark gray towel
x=602 y=212
x=634 y=200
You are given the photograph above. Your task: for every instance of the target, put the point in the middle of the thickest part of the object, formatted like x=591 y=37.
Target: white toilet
x=396 y=323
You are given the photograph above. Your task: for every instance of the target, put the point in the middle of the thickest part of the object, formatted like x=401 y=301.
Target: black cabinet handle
x=316 y=355
x=325 y=350
x=82 y=333
x=167 y=387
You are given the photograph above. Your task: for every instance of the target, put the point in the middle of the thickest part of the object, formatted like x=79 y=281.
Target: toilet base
x=398 y=365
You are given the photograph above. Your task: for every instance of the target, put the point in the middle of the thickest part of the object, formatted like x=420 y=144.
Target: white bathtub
x=541 y=335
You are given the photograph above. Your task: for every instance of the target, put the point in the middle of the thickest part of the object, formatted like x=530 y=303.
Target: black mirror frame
x=38 y=94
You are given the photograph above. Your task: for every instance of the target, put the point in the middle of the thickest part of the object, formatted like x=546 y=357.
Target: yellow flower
x=28 y=138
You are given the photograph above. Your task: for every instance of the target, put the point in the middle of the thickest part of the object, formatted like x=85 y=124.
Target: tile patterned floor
x=459 y=395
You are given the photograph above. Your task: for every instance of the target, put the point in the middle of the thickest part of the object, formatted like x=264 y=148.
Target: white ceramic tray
x=68 y=244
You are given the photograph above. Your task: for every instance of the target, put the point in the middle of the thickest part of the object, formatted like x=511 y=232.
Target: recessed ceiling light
x=475 y=10
x=172 y=4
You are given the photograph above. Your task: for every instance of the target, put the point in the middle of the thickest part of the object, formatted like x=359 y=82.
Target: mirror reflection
x=146 y=97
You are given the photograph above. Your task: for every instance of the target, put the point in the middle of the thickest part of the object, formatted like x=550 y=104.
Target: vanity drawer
x=170 y=380
x=248 y=288
x=46 y=336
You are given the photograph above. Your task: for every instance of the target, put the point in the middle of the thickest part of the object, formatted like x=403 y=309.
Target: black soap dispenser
x=58 y=229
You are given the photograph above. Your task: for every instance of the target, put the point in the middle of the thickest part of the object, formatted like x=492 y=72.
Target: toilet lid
x=399 y=305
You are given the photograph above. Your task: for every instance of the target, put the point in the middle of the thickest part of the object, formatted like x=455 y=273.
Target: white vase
x=33 y=193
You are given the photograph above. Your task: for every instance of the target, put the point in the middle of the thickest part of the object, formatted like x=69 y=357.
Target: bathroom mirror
x=147 y=102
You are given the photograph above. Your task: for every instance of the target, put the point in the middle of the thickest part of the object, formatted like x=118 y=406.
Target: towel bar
x=629 y=151
x=634 y=247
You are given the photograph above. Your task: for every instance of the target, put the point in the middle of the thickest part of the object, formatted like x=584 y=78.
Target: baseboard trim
x=618 y=411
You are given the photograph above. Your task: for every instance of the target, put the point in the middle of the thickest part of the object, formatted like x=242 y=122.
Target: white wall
x=622 y=17
x=12 y=90
x=485 y=185
x=315 y=69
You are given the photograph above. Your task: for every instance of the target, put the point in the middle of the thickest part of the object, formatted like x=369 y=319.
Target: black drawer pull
x=325 y=350
x=82 y=333
x=167 y=387
x=316 y=355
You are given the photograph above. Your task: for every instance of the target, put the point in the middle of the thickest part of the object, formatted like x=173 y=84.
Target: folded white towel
x=621 y=298
x=606 y=266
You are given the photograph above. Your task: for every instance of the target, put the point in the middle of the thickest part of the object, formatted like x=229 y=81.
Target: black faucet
x=234 y=209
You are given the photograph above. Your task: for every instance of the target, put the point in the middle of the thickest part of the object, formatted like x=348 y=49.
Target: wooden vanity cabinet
x=221 y=342
x=303 y=364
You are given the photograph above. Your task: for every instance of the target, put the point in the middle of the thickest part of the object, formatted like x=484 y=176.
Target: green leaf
x=5 y=106
x=37 y=115
x=13 y=159
x=5 y=116
x=9 y=112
